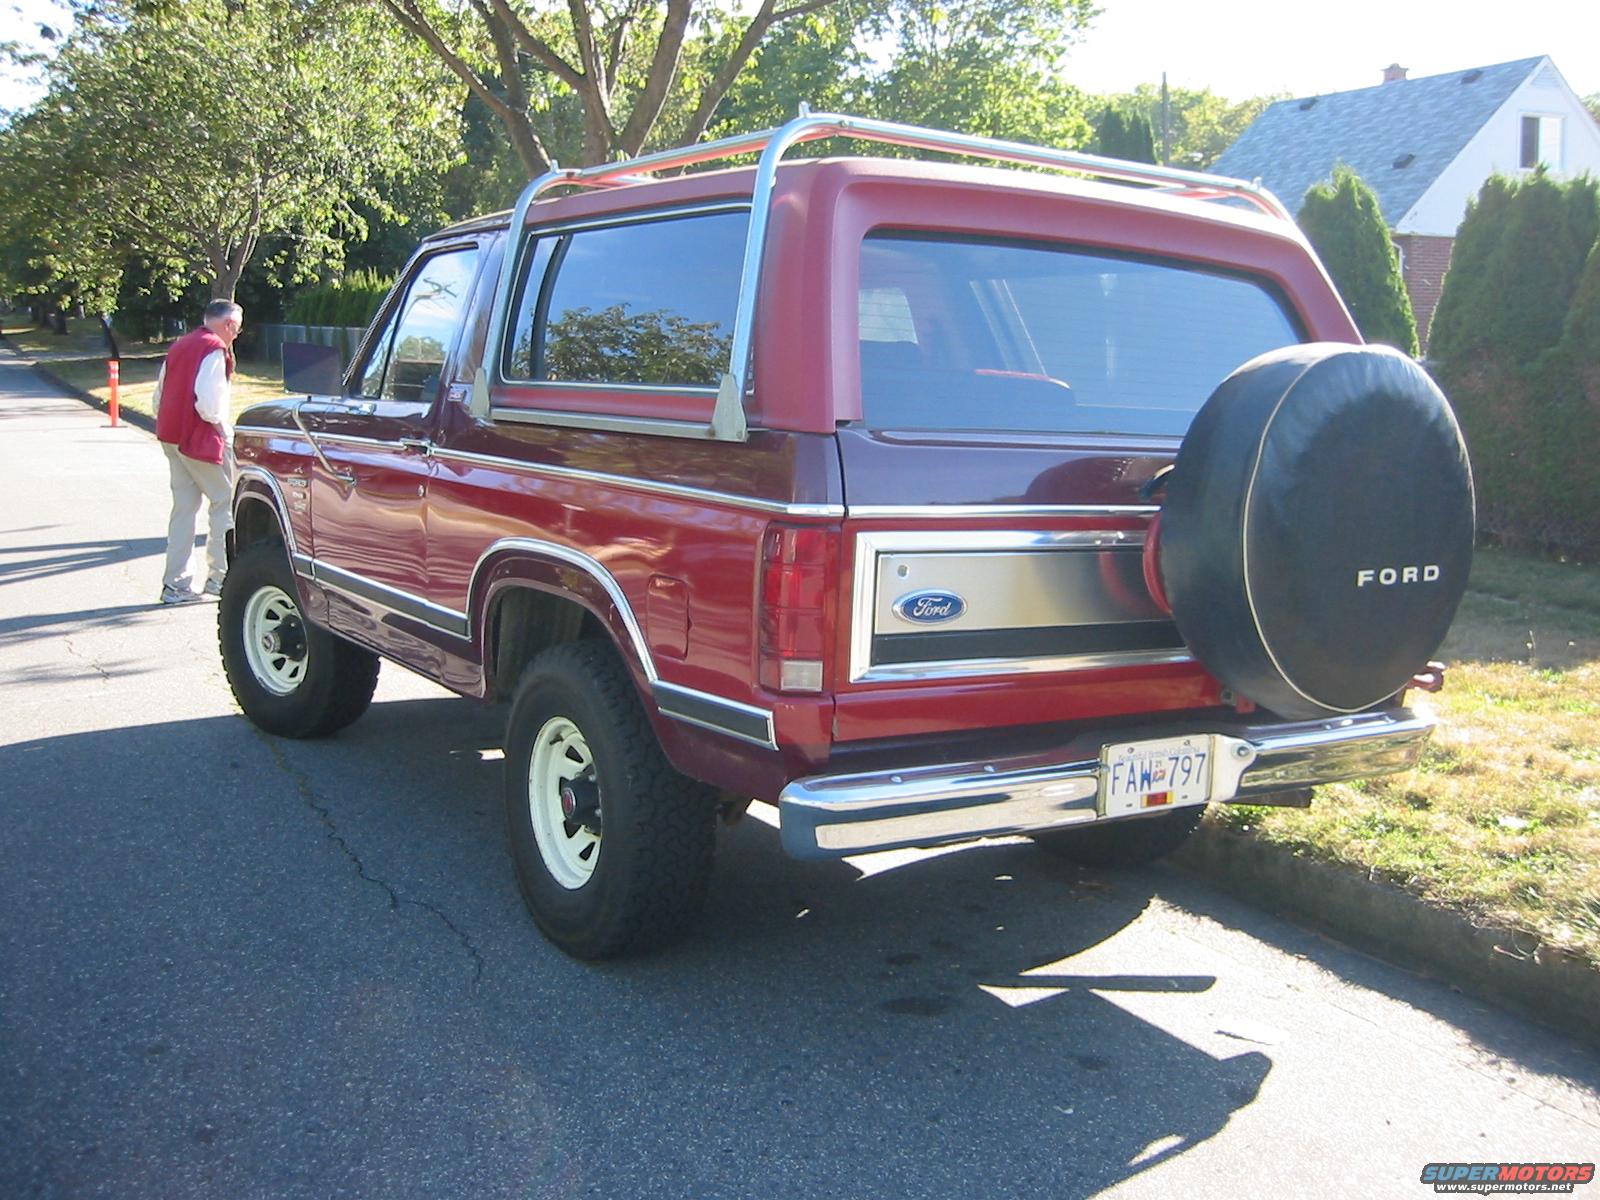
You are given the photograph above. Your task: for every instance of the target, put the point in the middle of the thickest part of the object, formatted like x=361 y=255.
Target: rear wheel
x=1128 y=843
x=290 y=677
x=612 y=847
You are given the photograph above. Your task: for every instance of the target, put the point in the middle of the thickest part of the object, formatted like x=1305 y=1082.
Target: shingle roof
x=1296 y=143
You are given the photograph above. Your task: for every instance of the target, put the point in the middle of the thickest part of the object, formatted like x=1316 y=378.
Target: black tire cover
x=1318 y=526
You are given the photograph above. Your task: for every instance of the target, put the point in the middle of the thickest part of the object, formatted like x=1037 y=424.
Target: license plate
x=1138 y=776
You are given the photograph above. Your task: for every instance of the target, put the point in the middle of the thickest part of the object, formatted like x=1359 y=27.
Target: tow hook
x=1429 y=679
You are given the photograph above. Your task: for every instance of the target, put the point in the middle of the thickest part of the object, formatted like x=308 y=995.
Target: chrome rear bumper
x=828 y=816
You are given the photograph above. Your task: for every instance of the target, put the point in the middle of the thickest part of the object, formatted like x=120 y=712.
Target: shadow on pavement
x=238 y=965
x=59 y=559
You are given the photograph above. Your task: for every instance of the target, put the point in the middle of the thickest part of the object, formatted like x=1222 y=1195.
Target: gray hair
x=221 y=310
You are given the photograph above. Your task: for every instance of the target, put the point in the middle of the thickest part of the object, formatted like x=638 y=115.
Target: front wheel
x=1127 y=843
x=612 y=847
x=290 y=677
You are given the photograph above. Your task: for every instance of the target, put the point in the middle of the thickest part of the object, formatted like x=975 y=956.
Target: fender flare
x=562 y=571
x=256 y=485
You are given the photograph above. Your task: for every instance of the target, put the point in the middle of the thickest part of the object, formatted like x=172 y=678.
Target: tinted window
x=409 y=359
x=649 y=303
x=1001 y=336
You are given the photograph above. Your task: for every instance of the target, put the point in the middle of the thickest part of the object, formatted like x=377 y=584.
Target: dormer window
x=1541 y=142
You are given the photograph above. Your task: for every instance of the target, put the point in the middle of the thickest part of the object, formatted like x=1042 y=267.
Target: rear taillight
x=799 y=566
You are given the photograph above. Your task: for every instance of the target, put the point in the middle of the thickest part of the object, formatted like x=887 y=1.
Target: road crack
x=309 y=798
x=105 y=675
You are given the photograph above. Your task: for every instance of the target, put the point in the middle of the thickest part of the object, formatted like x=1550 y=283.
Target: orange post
x=114 y=373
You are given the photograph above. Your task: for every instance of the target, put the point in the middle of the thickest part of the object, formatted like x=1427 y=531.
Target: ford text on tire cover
x=923 y=501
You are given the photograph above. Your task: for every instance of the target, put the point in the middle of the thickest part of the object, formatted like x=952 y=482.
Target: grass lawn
x=1502 y=817
x=79 y=359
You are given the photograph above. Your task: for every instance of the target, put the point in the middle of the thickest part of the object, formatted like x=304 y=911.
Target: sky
x=1242 y=48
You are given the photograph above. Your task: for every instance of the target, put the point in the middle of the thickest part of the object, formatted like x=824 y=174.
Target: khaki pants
x=193 y=481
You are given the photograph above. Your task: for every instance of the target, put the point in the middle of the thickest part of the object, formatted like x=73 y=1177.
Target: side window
x=410 y=356
x=647 y=303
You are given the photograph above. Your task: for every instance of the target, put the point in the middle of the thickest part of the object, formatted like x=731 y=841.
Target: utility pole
x=1166 y=123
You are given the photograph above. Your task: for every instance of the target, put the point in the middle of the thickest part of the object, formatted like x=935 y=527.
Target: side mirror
x=311 y=370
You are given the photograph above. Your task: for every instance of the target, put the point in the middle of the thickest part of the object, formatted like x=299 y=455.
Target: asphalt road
x=233 y=966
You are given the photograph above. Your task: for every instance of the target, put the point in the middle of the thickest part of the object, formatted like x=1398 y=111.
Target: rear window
x=983 y=335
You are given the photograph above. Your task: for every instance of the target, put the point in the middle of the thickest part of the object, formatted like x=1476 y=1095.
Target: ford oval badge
x=929 y=608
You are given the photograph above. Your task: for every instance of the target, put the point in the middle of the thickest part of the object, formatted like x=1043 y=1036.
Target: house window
x=1541 y=143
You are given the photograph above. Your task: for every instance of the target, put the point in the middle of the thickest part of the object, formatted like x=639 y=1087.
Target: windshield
x=987 y=335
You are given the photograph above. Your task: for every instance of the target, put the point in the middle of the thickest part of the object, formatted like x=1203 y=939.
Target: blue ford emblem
x=929 y=608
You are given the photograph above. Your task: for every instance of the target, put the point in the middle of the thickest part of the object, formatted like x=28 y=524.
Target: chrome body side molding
x=634 y=483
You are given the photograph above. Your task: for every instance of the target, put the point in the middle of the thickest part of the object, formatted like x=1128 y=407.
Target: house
x=1425 y=146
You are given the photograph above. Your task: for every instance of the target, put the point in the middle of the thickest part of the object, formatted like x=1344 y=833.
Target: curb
x=126 y=417
x=1502 y=966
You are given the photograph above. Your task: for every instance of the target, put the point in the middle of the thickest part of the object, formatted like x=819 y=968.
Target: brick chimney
x=1394 y=73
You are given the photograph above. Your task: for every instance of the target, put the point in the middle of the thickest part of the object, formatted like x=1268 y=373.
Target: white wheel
x=564 y=803
x=274 y=640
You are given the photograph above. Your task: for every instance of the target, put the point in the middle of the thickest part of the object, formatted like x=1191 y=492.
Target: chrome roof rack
x=728 y=419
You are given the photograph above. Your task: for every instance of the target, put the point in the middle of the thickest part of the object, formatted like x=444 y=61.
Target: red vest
x=177 y=423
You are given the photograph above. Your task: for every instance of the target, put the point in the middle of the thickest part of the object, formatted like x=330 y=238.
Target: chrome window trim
x=252 y=471
x=768 y=740
x=863 y=602
x=652 y=486
x=562 y=385
x=525 y=237
x=639 y=216
x=609 y=424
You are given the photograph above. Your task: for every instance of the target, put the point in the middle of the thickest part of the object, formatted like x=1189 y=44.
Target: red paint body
x=689 y=565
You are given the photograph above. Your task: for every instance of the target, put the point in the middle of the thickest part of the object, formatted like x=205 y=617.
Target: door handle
x=417 y=445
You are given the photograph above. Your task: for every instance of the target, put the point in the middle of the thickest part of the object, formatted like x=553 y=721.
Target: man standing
x=193 y=426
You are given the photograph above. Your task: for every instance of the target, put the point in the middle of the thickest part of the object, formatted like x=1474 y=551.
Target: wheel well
x=254 y=521
x=526 y=622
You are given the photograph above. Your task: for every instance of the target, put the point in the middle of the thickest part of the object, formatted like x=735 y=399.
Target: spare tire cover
x=1318 y=528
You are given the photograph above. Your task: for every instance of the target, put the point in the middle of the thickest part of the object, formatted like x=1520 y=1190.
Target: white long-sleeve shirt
x=212 y=397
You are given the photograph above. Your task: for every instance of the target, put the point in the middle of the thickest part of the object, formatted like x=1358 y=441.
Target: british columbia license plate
x=1137 y=776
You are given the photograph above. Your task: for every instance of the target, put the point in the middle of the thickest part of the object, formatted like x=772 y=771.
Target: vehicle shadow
x=244 y=965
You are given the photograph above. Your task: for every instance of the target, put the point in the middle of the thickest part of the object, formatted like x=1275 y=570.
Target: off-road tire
x=338 y=677
x=1127 y=843
x=657 y=829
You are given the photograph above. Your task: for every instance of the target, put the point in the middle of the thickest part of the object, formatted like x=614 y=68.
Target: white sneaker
x=172 y=595
x=213 y=587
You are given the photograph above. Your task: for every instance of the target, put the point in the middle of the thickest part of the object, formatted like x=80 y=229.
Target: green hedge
x=1516 y=341
x=349 y=302
x=1345 y=224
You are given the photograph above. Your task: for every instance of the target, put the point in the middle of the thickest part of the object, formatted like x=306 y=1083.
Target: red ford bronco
x=926 y=501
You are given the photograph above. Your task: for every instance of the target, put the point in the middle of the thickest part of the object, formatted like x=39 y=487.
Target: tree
x=620 y=68
x=185 y=134
x=1202 y=124
x=1592 y=103
x=1346 y=227
x=987 y=67
x=1519 y=253
x=1125 y=135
